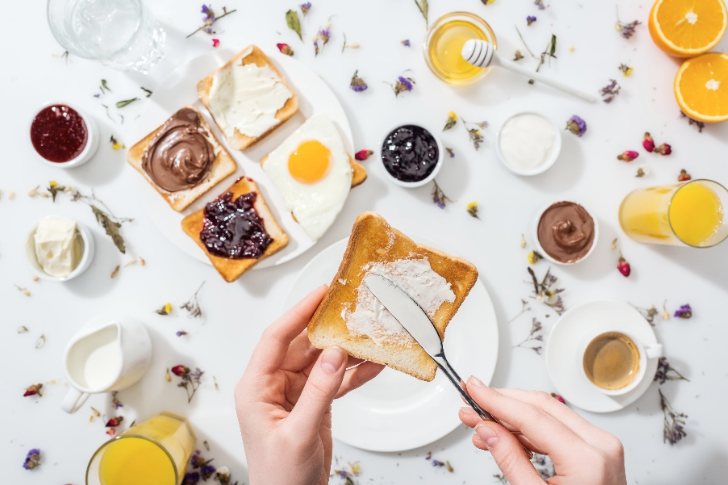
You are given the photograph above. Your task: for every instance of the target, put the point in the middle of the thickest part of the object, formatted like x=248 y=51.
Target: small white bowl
x=555 y=150
x=88 y=251
x=92 y=143
x=546 y=255
x=429 y=178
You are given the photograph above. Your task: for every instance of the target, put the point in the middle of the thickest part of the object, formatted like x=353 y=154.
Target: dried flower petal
x=32 y=459
x=473 y=209
x=285 y=49
x=33 y=390
x=452 y=120
x=610 y=91
x=165 y=310
x=683 y=176
x=167 y=376
x=642 y=171
x=406 y=43
x=358 y=84
x=362 y=155
x=114 y=422
x=684 y=312
x=523 y=241
x=115 y=145
x=305 y=7
x=22 y=329
x=628 y=156
x=180 y=333
x=664 y=149
x=576 y=125
x=534 y=257
x=626 y=70
x=115 y=272
x=40 y=342
x=517 y=56
x=530 y=19
x=96 y=412
x=111 y=431
x=215 y=42
x=23 y=290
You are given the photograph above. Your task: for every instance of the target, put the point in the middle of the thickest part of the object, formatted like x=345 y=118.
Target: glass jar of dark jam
x=59 y=133
x=410 y=153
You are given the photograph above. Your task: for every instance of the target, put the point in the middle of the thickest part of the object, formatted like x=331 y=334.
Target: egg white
x=316 y=205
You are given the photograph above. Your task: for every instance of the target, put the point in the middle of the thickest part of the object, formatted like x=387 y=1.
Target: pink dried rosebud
x=624 y=267
x=111 y=431
x=684 y=176
x=114 y=422
x=648 y=143
x=628 y=156
x=215 y=42
x=33 y=390
x=558 y=398
x=362 y=155
x=664 y=149
x=180 y=370
x=285 y=49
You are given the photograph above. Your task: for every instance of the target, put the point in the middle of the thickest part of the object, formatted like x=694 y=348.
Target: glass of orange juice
x=685 y=214
x=154 y=452
x=444 y=44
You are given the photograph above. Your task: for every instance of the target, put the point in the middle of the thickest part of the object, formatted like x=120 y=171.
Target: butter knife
x=414 y=319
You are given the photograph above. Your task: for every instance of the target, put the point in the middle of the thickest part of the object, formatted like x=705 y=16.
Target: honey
x=444 y=45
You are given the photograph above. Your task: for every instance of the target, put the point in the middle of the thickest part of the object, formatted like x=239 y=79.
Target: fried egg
x=312 y=170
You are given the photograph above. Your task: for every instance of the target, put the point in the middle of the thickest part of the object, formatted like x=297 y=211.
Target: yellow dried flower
x=534 y=257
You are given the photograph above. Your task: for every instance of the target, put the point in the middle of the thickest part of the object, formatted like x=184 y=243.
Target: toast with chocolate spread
x=349 y=315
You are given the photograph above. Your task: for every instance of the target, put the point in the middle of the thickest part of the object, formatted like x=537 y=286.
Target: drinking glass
x=154 y=452
x=120 y=33
x=688 y=214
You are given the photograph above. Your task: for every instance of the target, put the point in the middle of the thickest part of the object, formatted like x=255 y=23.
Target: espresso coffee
x=612 y=361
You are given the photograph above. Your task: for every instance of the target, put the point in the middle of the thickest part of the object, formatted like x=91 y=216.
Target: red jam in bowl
x=58 y=133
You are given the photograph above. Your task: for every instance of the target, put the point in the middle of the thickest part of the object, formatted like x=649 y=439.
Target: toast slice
x=374 y=241
x=358 y=172
x=222 y=167
x=250 y=55
x=232 y=269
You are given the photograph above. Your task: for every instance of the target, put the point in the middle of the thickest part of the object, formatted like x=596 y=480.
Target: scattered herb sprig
x=189 y=380
x=209 y=19
x=424 y=9
x=193 y=305
x=439 y=197
x=665 y=372
x=545 y=292
x=674 y=422
x=534 y=336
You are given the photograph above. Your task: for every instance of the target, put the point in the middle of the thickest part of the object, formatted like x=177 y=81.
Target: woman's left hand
x=284 y=400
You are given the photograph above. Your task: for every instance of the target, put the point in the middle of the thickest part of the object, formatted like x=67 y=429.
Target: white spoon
x=481 y=54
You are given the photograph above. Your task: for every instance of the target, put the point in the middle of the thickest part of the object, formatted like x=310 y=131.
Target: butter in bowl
x=59 y=249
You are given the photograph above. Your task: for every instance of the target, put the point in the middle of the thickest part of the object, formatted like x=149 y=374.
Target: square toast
x=250 y=55
x=232 y=269
x=373 y=240
x=222 y=167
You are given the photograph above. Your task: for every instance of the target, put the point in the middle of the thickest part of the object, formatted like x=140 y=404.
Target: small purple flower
x=450 y=152
x=358 y=84
x=684 y=312
x=207 y=471
x=576 y=125
x=32 y=460
x=305 y=7
x=531 y=19
x=191 y=478
x=180 y=333
x=406 y=43
x=437 y=463
x=405 y=82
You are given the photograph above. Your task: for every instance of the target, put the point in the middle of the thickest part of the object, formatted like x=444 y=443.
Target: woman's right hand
x=582 y=453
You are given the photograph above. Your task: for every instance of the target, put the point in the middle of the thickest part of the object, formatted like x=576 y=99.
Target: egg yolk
x=310 y=162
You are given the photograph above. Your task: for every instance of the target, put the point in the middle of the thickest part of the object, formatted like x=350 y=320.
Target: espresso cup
x=614 y=362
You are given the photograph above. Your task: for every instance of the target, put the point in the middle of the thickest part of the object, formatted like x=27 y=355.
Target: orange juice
x=689 y=214
x=154 y=452
x=444 y=45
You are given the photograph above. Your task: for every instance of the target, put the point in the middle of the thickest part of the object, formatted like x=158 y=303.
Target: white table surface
x=236 y=314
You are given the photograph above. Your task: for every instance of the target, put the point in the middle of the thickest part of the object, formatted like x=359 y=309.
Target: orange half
x=687 y=28
x=701 y=87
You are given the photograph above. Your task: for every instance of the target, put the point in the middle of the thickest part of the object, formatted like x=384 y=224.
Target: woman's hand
x=582 y=453
x=284 y=400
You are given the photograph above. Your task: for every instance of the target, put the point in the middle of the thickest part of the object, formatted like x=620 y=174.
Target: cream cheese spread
x=414 y=276
x=56 y=246
x=247 y=97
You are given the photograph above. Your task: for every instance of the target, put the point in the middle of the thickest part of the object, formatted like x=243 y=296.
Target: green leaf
x=149 y=92
x=126 y=102
x=111 y=228
x=105 y=86
x=424 y=8
x=552 y=51
x=294 y=23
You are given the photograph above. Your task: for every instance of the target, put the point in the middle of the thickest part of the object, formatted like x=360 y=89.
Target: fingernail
x=468 y=410
x=475 y=382
x=332 y=360
x=486 y=433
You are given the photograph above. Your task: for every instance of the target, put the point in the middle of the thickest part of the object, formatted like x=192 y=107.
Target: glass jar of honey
x=444 y=44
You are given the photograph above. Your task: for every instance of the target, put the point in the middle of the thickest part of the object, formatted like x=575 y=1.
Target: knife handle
x=453 y=376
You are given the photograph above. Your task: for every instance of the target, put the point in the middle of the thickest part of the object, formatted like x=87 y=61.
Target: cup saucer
x=568 y=334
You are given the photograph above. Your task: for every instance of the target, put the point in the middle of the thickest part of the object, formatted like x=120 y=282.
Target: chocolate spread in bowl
x=566 y=231
x=179 y=157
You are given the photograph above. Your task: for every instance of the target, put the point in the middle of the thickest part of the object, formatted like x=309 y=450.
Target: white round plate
x=180 y=89
x=568 y=335
x=396 y=412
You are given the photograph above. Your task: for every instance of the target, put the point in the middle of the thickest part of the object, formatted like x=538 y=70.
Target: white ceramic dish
x=396 y=412
x=546 y=255
x=553 y=156
x=568 y=334
x=179 y=90
x=425 y=181
x=89 y=250
x=92 y=143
